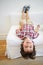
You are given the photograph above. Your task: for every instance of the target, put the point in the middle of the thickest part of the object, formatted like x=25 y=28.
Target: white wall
x=15 y=6
x=10 y=11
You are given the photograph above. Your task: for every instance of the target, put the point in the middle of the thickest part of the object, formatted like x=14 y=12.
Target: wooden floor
x=2 y=49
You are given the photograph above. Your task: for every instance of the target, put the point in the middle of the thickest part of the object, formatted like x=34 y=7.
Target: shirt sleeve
x=35 y=35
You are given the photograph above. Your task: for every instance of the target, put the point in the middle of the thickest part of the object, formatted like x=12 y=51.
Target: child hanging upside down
x=27 y=32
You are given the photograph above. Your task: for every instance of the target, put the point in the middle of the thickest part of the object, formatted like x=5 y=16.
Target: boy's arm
x=37 y=28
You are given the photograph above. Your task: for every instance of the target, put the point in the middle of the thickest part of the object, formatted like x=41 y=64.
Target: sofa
x=11 y=48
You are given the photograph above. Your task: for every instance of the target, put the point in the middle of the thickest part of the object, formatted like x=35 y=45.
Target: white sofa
x=13 y=44
x=13 y=50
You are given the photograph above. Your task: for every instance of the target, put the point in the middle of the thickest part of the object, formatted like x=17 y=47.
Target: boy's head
x=28 y=48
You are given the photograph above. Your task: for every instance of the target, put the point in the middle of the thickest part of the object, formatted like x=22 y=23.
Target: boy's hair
x=28 y=55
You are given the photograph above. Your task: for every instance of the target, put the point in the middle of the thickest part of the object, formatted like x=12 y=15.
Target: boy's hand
x=17 y=31
x=38 y=26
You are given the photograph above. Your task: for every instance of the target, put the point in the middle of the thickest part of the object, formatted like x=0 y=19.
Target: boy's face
x=28 y=45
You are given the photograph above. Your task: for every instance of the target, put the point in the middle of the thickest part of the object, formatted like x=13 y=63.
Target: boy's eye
x=26 y=46
x=27 y=42
x=30 y=47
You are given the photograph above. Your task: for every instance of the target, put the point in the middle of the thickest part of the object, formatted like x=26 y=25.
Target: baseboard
x=3 y=36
